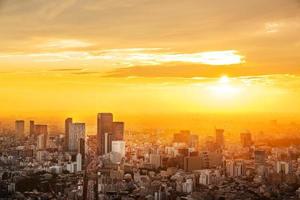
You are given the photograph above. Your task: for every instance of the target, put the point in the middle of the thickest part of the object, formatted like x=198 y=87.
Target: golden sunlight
x=224 y=88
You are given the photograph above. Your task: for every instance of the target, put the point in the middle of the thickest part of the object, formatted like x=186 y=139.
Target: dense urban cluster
x=114 y=164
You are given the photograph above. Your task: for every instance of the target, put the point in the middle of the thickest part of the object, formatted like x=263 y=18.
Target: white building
x=187 y=187
x=235 y=168
x=209 y=176
x=117 y=151
x=283 y=167
x=72 y=167
x=41 y=155
x=79 y=162
x=118 y=146
x=56 y=169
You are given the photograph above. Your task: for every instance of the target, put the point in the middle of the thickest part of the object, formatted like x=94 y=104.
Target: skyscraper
x=220 y=138
x=41 y=145
x=76 y=132
x=68 y=122
x=41 y=131
x=182 y=137
x=20 y=127
x=107 y=132
x=31 y=128
x=104 y=125
x=118 y=130
x=81 y=149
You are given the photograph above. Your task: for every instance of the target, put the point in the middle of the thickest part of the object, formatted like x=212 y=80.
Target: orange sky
x=138 y=56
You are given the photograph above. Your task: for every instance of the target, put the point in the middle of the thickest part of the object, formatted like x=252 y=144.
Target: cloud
x=139 y=56
x=64 y=44
x=197 y=71
x=272 y=27
x=66 y=69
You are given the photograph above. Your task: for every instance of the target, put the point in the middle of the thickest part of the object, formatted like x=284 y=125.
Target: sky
x=137 y=57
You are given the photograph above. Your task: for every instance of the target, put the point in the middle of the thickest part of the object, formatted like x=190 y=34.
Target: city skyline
x=150 y=99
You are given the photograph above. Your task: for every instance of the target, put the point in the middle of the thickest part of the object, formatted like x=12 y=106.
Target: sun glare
x=224 y=79
x=224 y=88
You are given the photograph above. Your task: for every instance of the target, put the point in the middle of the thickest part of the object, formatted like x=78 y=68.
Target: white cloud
x=137 y=56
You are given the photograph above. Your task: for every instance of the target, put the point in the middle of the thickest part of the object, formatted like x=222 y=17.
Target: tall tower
x=81 y=149
x=220 y=138
x=104 y=125
x=41 y=132
x=76 y=132
x=118 y=130
x=68 y=122
x=20 y=127
x=31 y=128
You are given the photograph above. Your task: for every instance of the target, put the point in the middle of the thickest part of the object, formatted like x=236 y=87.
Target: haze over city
x=150 y=100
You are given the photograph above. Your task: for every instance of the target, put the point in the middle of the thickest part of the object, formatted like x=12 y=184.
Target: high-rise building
x=79 y=162
x=117 y=151
x=119 y=147
x=108 y=131
x=220 y=138
x=118 y=130
x=156 y=160
x=41 y=131
x=182 y=137
x=246 y=139
x=76 y=132
x=81 y=149
x=107 y=143
x=193 y=163
x=41 y=142
x=20 y=128
x=235 y=168
x=68 y=122
x=104 y=125
x=31 y=128
x=283 y=167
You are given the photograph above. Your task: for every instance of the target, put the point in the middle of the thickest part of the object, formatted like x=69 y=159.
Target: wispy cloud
x=66 y=69
x=139 y=56
x=64 y=44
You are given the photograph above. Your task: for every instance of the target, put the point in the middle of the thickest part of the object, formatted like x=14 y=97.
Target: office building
x=41 y=132
x=235 y=168
x=68 y=122
x=155 y=160
x=81 y=149
x=104 y=125
x=220 y=138
x=182 y=137
x=118 y=151
x=20 y=128
x=79 y=162
x=283 y=167
x=76 y=132
x=118 y=146
x=41 y=144
x=118 y=130
x=107 y=131
x=31 y=128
